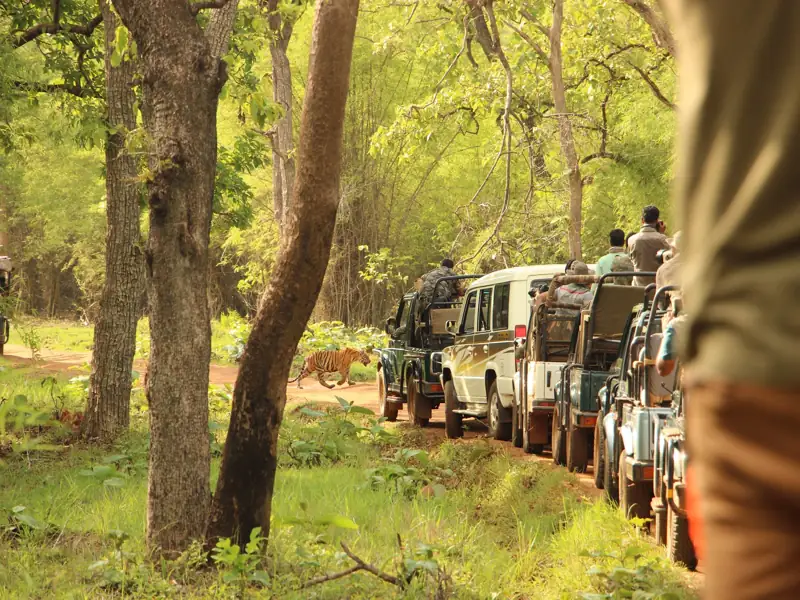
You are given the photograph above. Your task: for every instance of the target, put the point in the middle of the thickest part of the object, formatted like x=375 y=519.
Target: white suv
x=477 y=371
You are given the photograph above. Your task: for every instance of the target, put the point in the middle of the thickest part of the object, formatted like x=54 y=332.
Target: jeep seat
x=440 y=317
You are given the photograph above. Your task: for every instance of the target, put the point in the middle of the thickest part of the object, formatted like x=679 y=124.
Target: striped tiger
x=331 y=361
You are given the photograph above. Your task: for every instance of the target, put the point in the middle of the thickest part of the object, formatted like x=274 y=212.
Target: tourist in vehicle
x=617 y=240
x=578 y=294
x=736 y=190
x=446 y=292
x=644 y=246
x=669 y=272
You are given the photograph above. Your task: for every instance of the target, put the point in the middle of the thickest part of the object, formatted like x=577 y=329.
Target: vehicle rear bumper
x=583 y=419
x=638 y=470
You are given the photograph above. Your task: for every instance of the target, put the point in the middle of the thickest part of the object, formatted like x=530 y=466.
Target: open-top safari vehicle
x=404 y=367
x=5 y=288
x=594 y=349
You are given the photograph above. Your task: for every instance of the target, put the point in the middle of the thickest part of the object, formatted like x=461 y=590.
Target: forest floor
x=471 y=518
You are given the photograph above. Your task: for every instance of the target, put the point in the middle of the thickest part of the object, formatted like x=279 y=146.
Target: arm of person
x=665 y=363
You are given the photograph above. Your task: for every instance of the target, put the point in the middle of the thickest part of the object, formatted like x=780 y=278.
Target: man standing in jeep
x=644 y=246
x=445 y=292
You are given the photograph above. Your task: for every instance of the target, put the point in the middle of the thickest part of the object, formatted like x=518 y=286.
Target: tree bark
x=662 y=35
x=282 y=141
x=244 y=491
x=219 y=28
x=108 y=407
x=182 y=80
x=565 y=131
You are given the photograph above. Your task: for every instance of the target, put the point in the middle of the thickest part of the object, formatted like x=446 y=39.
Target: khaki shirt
x=738 y=190
x=643 y=248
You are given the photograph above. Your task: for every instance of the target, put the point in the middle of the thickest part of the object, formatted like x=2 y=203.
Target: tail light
x=520 y=331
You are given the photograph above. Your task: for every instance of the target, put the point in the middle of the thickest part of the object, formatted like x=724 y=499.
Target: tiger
x=331 y=361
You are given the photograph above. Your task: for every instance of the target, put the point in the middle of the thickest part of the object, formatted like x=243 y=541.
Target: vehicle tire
x=660 y=522
x=516 y=428
x=577 y=447
x=497 y=413
x=634 y=498
x=412 y=397
x=453 y=422
x=679 y=545
x=611 y=486
x=386 y=409
x=599 y=454
x=558 y=439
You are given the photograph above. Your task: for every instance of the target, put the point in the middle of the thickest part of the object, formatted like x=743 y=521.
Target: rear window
x=500 y=312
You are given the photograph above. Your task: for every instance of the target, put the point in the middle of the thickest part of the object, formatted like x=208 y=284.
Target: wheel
x=516 y=428
x=577 y=447
x=634 y=498
x=453 y=426
x=599 y=454
x=386 y=409
x=679 y=545
x=559 y=443
x=612 y=491
x=660 y=522
x=497 y=414
x=412 y=395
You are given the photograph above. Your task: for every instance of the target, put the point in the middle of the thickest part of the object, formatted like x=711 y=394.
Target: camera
x=663 y=255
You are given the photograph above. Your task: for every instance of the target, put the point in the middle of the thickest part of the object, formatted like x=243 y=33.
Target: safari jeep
x=404 y=368
x=643 y=403
x=5 y=289
x=594 y=348
x=669 y=502
x=540 y=356
x=478 y=369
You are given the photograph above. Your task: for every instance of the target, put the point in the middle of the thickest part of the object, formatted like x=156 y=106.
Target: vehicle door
x=463 y=347
x=481 y=347
x=399 y=344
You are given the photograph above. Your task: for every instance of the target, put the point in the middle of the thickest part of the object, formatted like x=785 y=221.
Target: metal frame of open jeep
x=414 y=364
x=595 y=345
x=641 y=415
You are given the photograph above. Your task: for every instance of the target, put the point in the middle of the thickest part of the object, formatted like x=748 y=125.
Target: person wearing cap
x=644 y=246
x=574 y=293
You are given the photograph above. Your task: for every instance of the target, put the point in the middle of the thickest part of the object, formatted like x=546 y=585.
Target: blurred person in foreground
x=738 y=195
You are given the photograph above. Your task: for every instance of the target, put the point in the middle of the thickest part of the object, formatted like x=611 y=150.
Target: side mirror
x=390 y=325
x=450 y=327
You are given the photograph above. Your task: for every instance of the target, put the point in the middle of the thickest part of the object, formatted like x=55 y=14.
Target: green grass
x=502 y=528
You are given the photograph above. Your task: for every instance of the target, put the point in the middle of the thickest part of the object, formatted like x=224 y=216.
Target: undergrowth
x=459 y=519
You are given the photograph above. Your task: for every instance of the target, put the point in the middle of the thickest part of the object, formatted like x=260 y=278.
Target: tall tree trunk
x=243 y=499
x=108 y=408
x=565 y=130
x=281 y=28
x=182 y=80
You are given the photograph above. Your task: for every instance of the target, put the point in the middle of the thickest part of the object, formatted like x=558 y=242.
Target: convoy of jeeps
x=584 y=387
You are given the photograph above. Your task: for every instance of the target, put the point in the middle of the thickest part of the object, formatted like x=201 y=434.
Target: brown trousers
x=745 y=447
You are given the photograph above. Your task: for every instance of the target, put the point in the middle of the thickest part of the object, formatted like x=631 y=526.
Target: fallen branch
x=359 y=566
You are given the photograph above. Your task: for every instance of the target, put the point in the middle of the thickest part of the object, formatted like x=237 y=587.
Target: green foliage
x=406 y=473
x=32 y=339
x=239 y=567
x=336 y=435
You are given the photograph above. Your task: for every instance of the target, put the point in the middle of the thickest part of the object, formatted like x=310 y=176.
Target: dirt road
x=362 y=394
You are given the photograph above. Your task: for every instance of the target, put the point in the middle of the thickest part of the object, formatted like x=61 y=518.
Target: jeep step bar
x=470 y=413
